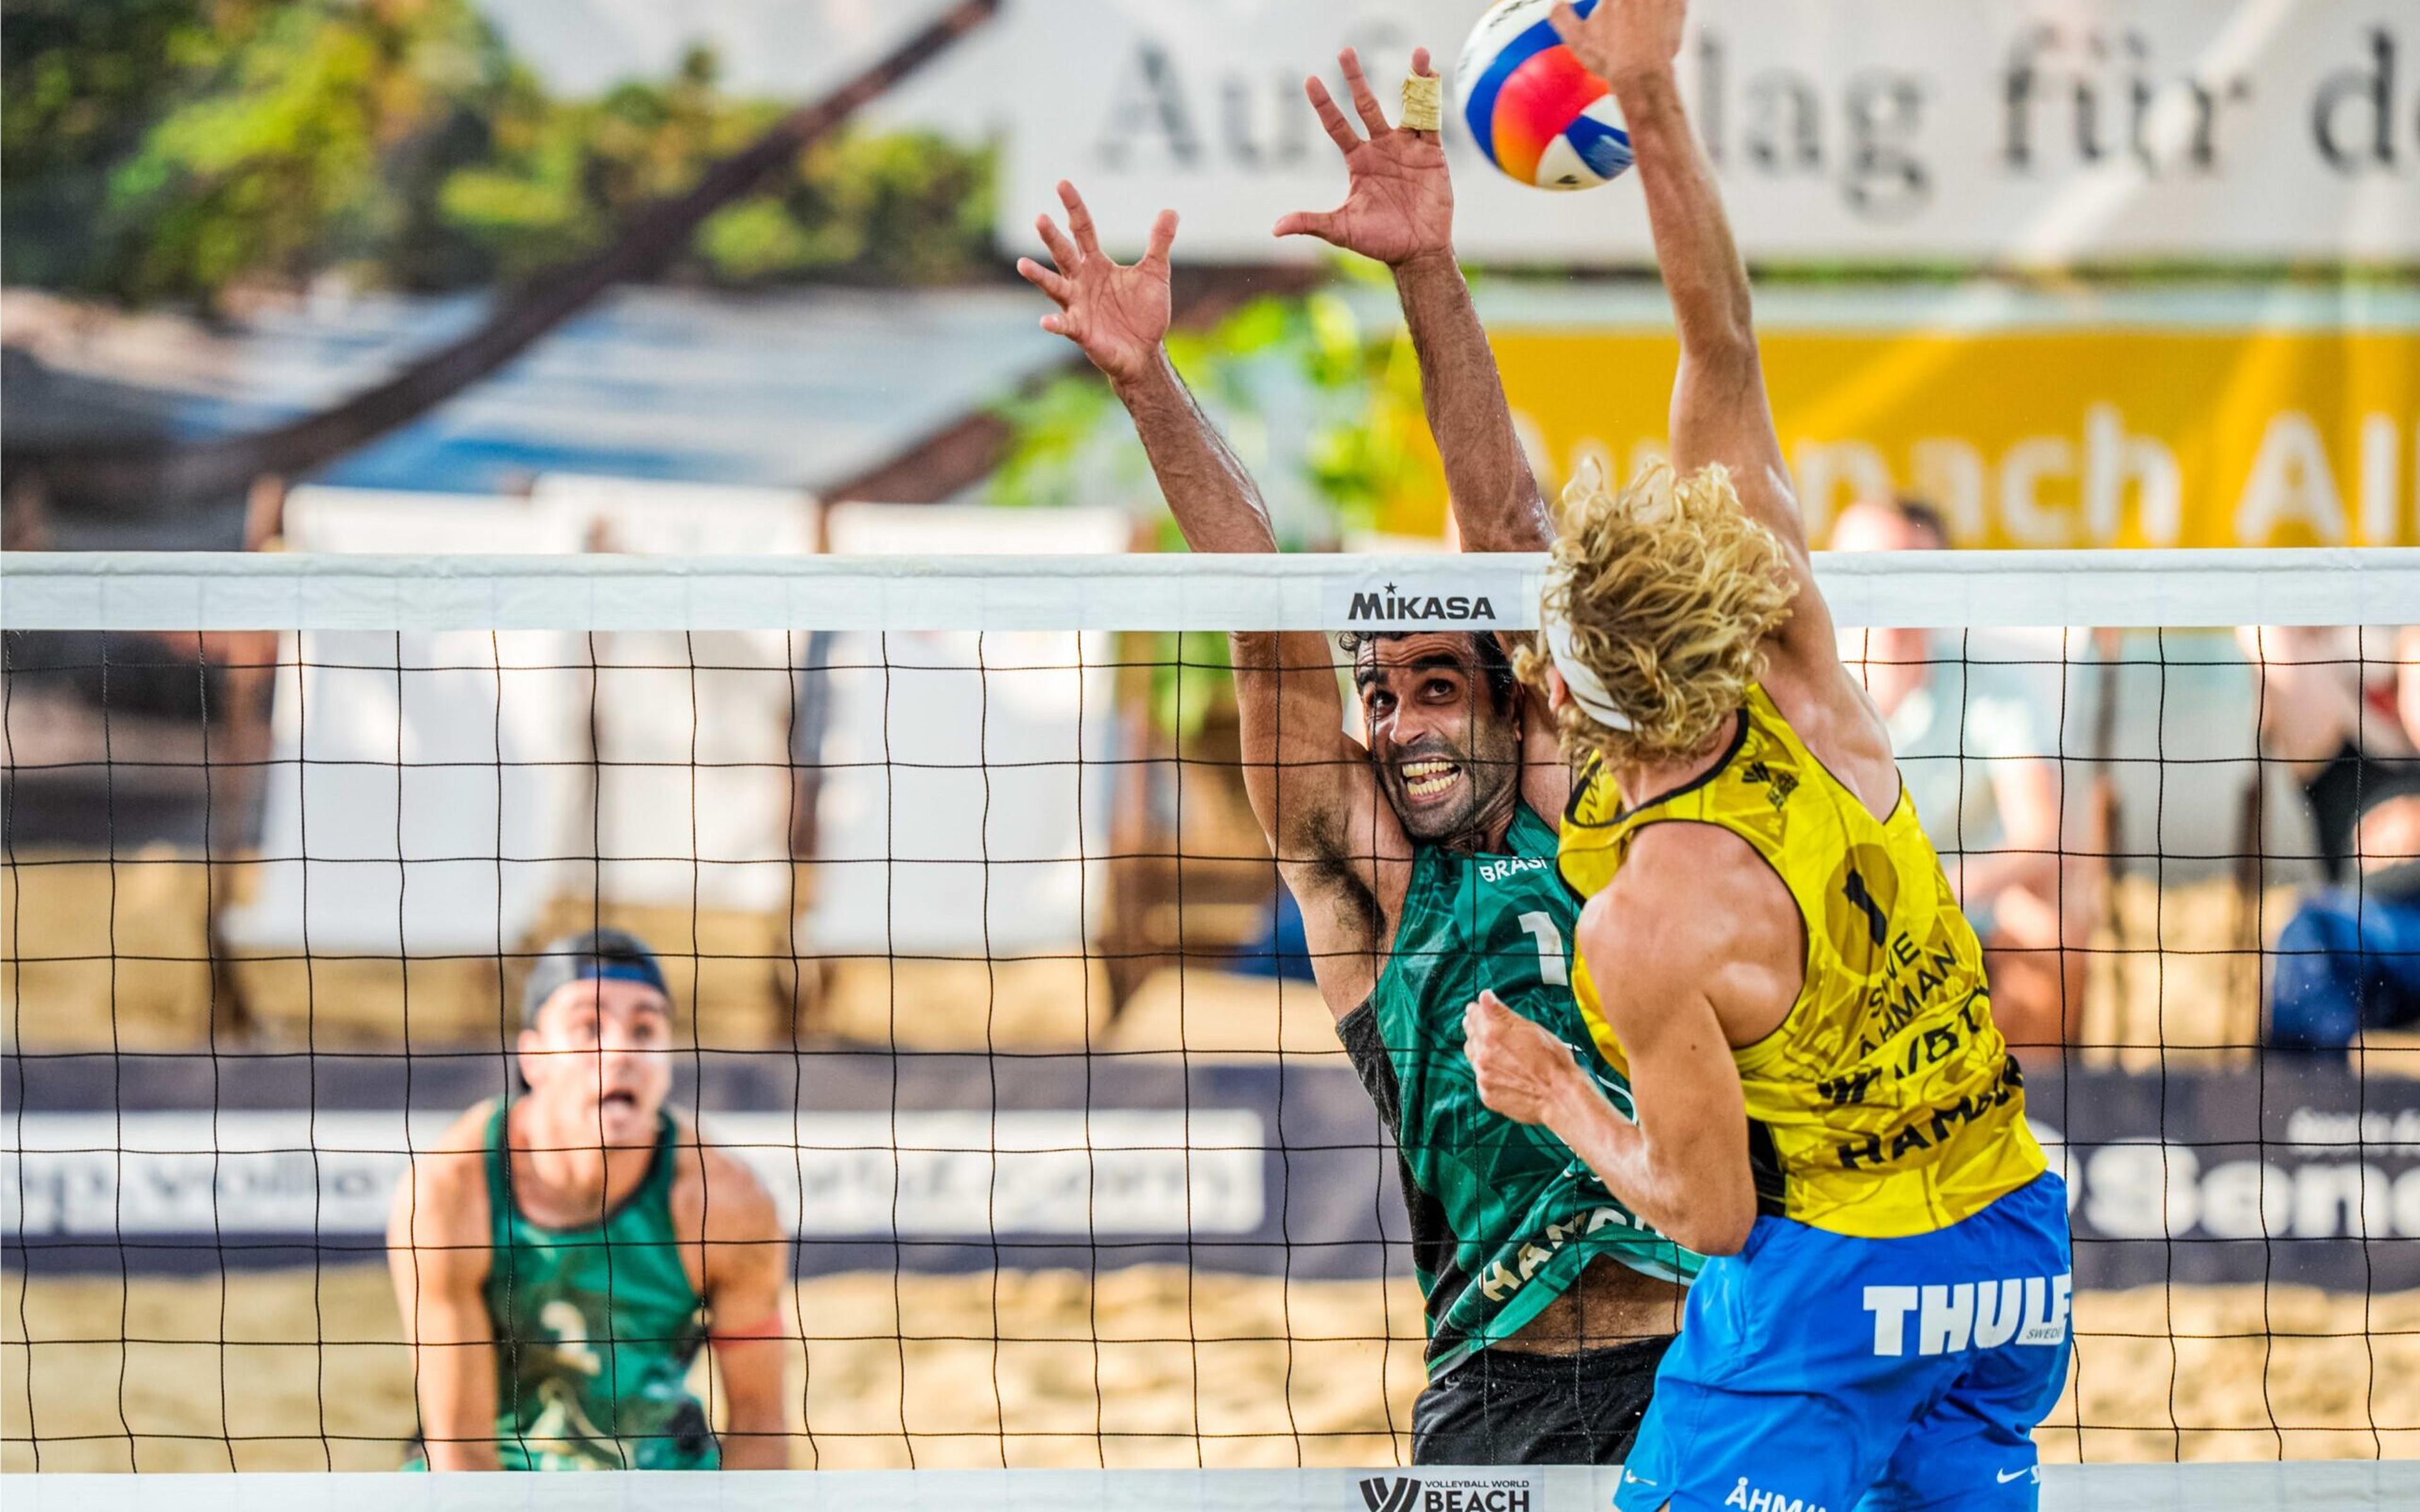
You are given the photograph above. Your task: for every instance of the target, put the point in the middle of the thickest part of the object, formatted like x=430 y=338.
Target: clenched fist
x=1524 y=1073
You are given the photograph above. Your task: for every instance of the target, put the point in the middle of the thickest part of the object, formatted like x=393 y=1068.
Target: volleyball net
x=983 y=967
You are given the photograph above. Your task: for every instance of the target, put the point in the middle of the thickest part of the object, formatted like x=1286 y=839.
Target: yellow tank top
x=1887 y=1104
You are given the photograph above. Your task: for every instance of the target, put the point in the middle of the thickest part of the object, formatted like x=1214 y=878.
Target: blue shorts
x=1820 y=1373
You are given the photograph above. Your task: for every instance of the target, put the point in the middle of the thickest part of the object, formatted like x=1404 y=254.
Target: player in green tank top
x=1420 y=859
x=561 y=1258
x=1522 y=1214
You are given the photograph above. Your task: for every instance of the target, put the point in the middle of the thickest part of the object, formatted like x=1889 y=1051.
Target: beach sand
x=1153 y=1366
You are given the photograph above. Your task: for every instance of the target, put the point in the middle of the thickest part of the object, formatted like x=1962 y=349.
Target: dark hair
x=1494 y=662
x=597 y=954
x=1921 y=514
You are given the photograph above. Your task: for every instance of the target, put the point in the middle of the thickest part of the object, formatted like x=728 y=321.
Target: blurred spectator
x=1283 y=946
x=2343 y=712
x=1973 y=757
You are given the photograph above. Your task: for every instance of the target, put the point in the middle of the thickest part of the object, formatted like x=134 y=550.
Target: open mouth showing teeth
x=1426 y=779
x=619 y=1100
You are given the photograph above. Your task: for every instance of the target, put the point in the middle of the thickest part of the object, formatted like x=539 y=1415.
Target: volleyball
x=1536 y=113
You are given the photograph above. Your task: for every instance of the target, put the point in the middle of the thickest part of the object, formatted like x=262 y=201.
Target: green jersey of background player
x=562 y=1257
x=1423 y=860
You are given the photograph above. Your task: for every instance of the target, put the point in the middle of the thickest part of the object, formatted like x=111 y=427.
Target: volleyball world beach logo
x=1380 y=1494
x=1513 y=1493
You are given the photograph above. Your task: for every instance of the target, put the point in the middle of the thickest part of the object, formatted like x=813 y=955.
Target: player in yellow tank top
x=1887 y=1104
x=1771 y=951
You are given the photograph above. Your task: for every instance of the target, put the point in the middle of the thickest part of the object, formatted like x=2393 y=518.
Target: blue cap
x=593 y=955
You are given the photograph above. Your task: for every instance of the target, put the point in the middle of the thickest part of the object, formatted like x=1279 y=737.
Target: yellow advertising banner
x=2115 y=421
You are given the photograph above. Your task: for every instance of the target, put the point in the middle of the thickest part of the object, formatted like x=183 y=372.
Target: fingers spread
x=1339 y=130
x=1319 y=223
x=1079 y=219
x=1062 y=251
x=1372 y=116
x=1044 y=280
x=1163 y=236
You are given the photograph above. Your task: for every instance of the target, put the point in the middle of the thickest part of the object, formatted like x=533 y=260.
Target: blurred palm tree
x=188 y=150
x=226 y=141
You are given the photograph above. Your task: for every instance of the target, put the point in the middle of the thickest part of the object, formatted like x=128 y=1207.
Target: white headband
x=1587 y=689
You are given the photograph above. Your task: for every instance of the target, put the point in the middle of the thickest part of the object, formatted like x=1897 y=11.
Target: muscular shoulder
x=1834 y=714
x=1694 y=908
x=742 y=1254
x=715 y=1195
x=441 y=1205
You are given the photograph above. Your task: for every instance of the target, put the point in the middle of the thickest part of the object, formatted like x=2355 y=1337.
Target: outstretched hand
x=1116 y=313
x=1623 y=41
x=1399 y=200
x=1522 y=1071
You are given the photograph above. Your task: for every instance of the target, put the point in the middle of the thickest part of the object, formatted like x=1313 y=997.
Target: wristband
x=767 y=1327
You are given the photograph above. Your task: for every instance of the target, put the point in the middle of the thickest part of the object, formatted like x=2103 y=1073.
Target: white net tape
x=197 y=590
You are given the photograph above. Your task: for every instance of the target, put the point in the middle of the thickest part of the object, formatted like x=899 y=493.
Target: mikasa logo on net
x=1394 y=603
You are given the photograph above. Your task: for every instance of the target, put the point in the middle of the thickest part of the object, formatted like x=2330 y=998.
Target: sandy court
x=1036 y=1369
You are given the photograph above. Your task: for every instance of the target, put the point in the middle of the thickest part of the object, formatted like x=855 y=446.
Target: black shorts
x=1503 y=1408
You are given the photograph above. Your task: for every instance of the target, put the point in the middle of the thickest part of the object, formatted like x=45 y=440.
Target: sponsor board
x=922 y=1175
x=2305 y=1175
x=2147 y=420
x=2041 y=132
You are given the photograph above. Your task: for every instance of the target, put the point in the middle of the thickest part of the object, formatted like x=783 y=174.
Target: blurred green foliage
x=1323 y=412
x=179 y=149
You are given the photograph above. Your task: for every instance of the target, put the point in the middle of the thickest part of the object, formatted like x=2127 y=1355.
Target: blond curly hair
x=1670 y=591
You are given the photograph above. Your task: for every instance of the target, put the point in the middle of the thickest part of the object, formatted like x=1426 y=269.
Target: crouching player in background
x=561 y=1256
x=1772 y=953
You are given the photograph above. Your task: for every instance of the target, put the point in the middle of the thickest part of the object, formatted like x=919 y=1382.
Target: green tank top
x=1504 y=1216
x=596 y=1328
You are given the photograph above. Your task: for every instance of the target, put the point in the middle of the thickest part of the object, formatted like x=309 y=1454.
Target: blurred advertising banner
x=1989 y=132
x=2296 y=1172
x=2194 y=417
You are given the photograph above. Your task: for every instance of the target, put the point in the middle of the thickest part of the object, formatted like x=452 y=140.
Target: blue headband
x=598 y=955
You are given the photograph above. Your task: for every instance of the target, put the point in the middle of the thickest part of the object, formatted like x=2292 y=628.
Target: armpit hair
x=1329 y=866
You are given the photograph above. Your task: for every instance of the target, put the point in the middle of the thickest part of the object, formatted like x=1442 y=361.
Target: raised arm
x=1398 y=209
x=437 y=1250
x=1118 y=316
x=1309 y=782
x=1719 y=409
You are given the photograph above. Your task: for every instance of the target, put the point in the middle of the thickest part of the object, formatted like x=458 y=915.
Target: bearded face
x=1448 y=757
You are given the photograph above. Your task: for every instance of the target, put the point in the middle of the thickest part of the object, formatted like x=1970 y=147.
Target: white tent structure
x=965 y=797
x=431 y=793
x=692 y=730
x=421 y=787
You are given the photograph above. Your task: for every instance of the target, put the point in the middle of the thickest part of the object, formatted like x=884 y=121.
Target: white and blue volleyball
x=1534 y=111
